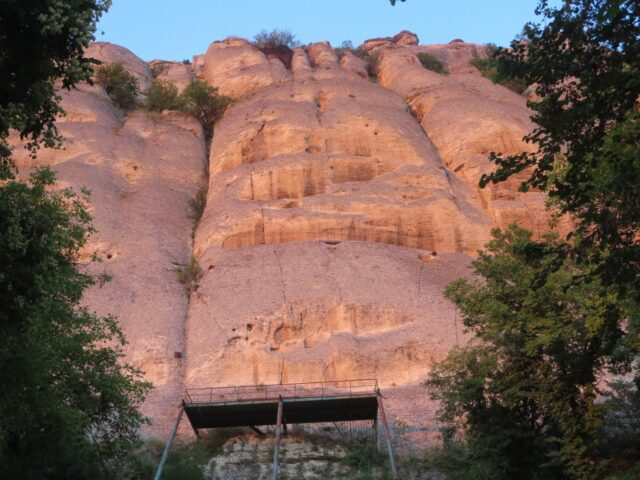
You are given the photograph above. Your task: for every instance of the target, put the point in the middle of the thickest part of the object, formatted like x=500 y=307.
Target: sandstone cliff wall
x=338 y=208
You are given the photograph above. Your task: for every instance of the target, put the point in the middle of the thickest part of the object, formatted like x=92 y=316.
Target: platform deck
x=302 y=403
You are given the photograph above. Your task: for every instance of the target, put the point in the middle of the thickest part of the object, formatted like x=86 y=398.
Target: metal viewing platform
x=254 y=406
x=257 y=405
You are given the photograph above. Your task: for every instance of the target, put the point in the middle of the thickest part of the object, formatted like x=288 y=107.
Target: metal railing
x=343 y=388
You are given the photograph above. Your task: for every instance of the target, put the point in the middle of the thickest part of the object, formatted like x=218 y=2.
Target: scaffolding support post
x=172 y=436
x=276 y=453
x=387 y=434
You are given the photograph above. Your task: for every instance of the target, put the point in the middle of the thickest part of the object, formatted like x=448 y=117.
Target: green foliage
x=69 y=402
x=197 y=205
x=162 y=95
x=189 y=273
x=492 y=67
x=621 y=442
x=203 y=102
x=41 y=42
x=583 y=59
x=366 y=462
x=459 y=462
x=275 y=38
x=119 y=84
x=433 y=63
x=198 y=100
x=522 y=394
x=187 y=461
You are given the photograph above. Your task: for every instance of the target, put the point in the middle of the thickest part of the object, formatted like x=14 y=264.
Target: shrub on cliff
x=203 y=102
x=162 y=95
x=433 y=63
x=120 y=85
x=492 y=67
x=275 y=38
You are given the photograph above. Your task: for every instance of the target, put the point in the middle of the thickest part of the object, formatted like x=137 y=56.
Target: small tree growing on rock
x=119 y=84
x=203 y=102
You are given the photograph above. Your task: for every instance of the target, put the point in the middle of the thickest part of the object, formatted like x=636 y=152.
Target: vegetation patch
x=203 y=103
x=275 y=38
x=162 y=95
x=120 y=85
x=189 y=273
x=495 y=70
x=433 y=63
x=198 y=99
x=366 y=462
x=197 y=205
x=187 y=461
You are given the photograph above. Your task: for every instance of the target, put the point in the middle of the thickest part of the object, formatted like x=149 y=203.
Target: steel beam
x=276 y=465
x=387 y=434
x=165 y=454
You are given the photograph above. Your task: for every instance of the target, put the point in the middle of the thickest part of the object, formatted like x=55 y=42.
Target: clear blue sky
x=178 y=29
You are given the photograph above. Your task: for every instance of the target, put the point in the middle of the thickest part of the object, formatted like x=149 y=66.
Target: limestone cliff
x=338 y=208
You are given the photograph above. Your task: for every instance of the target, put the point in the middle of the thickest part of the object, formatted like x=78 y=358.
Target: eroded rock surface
x=337 y=211
x=302 y=457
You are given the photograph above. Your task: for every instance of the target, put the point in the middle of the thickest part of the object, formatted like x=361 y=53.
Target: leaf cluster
x=492 y=66
x=198 y=100
x=120 y=85
x=162 y=95
x=189 y=273
x=203 y=103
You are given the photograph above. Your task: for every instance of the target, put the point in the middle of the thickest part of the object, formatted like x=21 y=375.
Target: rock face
x=110 y=53
x=250 y=457
x=302 y=457
x=338 y=208
x=179 y=74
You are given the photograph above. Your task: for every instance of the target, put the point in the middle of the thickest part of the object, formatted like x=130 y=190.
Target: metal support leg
x=383 y=418
x=375 y=434
x=165 y=454
x=275 y=467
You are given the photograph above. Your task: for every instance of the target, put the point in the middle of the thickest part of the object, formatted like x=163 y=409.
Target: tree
x=120 y=85
x=585 y=62
x=162 y=95
x=40 y=43
x=69 y=403
x=522 y=395
x=203 y=102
